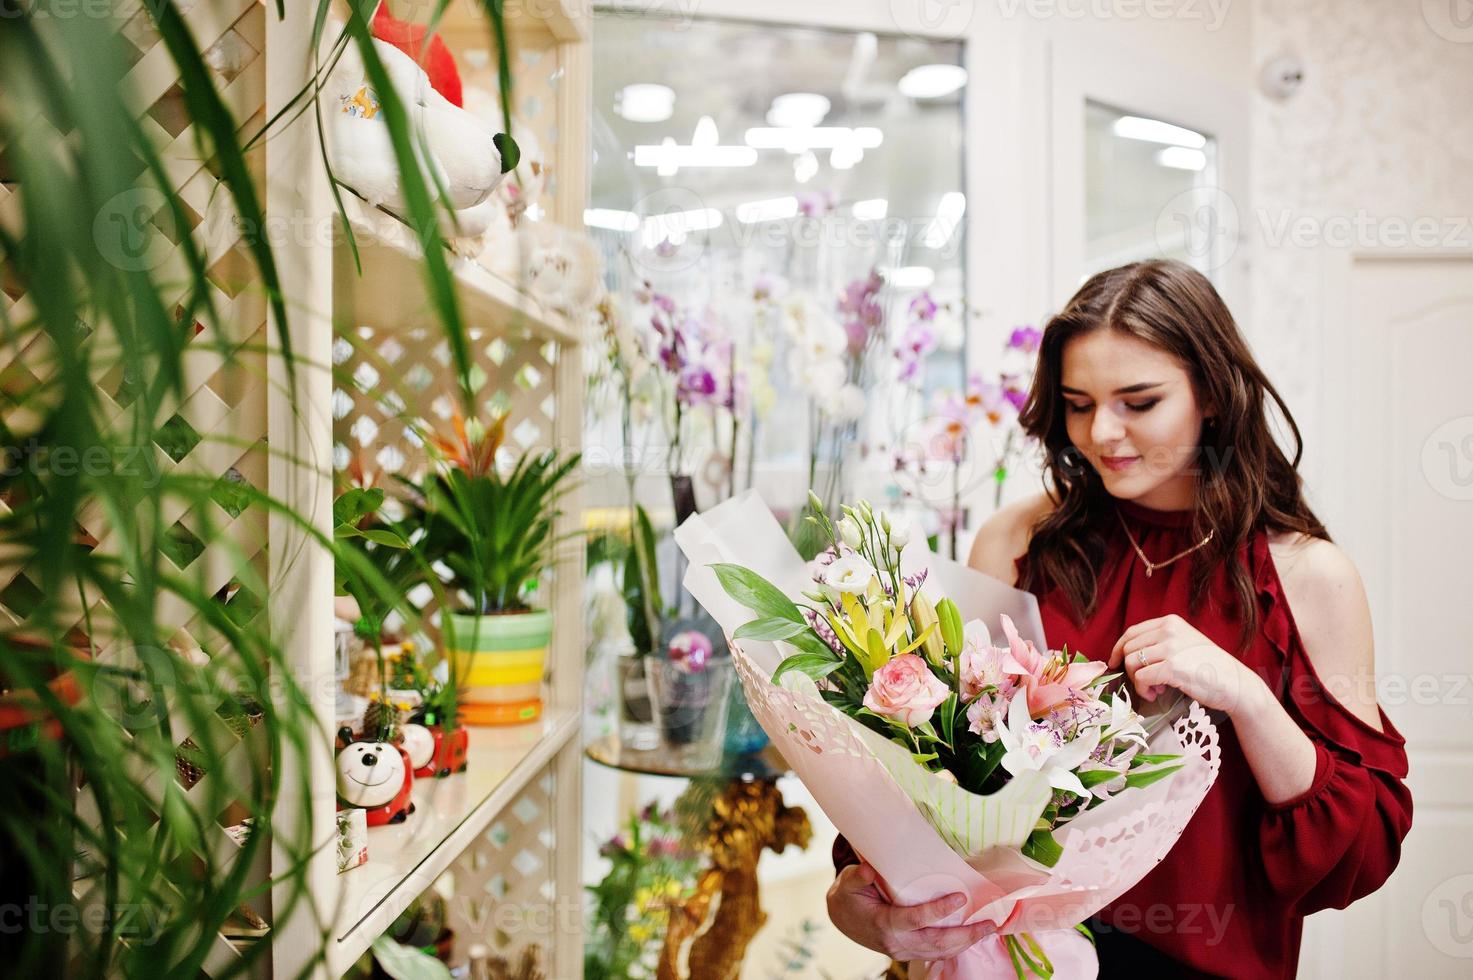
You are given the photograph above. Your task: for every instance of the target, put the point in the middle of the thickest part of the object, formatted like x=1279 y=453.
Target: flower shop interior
x=359 y=361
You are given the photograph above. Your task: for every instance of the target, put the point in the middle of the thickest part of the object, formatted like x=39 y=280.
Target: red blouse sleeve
x=1340 y=839
x=843 y=854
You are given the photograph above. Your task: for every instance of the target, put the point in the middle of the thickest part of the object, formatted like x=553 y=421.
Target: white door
x=1392 y=477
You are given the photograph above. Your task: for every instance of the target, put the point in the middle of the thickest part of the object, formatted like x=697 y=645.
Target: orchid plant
x=956 y=419
x=908 y=668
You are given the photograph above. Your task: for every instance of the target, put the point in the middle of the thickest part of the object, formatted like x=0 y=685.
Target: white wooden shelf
x=392 y=291
x=464 y=22
x=405 y=859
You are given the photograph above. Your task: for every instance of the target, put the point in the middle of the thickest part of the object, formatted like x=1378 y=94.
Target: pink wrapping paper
x=1106 y=849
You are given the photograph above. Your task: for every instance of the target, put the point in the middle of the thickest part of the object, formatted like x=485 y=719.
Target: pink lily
x=1048 y=679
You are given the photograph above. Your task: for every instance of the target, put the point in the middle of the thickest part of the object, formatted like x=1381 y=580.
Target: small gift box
x=352 y=839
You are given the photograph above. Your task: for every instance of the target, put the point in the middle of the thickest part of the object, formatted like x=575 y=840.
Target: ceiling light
x=1182 y=158
x=770 y=210
x=873 y=209
x=932 y=81
x=796 y=139
x=798 y=109
x=805 y=167
x=673 y=227
x=705 y=134
x=1156 y=131
x=669 y=156
x=910 y=276
x=948 y=215
x=645 y=102
x=610 y=219
x=844 y=157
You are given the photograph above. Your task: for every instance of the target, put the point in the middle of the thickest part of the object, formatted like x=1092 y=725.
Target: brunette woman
x=1175 y=542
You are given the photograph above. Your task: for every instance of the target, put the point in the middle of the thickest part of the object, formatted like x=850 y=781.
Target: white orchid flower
x=1039 y=746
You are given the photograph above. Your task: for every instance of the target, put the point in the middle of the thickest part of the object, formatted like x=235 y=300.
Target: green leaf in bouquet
x=769 y=628
x=1136 y=780
x=808 y=642
x=1155 y=760
x=924 y=758
x=814 y=666
x=756 y=593
x=1043 y=848
x=1094 y=777
x=947 y=713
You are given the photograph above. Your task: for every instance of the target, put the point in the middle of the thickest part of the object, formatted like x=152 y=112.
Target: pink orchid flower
x=1048 y=679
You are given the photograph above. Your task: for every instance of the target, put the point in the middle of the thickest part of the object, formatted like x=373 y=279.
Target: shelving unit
x=507 y=829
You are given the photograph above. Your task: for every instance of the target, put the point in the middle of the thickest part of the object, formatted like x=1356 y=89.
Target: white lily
x=1124 y=723
x=1040 y=746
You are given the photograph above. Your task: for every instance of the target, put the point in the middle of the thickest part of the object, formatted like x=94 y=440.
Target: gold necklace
x=1151 y=566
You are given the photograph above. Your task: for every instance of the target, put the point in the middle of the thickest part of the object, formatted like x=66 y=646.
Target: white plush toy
x=562 y=269
x=455 y=150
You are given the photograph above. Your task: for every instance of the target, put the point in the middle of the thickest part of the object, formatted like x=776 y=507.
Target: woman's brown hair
x=1244 y=478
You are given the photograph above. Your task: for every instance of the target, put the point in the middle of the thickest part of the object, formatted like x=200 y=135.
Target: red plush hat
x=433 y=57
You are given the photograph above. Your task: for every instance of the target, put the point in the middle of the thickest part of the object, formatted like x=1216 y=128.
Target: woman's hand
x=1170 y=652
x=902 y=932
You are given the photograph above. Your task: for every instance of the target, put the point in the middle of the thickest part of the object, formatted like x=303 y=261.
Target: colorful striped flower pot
x=498 y=662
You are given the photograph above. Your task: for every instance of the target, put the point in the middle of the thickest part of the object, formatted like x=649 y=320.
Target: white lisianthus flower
x=849 y=532
x=1041 y=747
x=900 y=535
x=849 y=573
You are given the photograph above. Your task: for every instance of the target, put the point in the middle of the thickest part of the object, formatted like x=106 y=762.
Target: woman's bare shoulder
x=1003 y=537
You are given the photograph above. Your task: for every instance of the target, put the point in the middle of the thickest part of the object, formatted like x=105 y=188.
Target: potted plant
x=493 y=529
x=438 y=713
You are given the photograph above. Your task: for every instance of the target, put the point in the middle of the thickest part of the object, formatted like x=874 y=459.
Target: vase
x=498 y=662
x=450 y=753
x=636 y=713
x=744 y=735
x=690 y=709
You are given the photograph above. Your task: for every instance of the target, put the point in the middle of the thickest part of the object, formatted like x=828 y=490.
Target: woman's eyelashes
x=1137 y=407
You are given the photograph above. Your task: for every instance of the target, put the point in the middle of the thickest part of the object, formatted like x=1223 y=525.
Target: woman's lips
x=1118 y=463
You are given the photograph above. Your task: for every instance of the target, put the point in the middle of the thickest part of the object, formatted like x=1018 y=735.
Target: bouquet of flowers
x=1020 y=776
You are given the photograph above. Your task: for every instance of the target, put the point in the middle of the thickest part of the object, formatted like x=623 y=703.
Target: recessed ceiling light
x=645 y=102
x=798 y=109
x=932 y=81
x=1182 y=158
x=1156 y=131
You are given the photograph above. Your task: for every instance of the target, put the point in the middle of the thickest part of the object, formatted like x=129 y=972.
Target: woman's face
x=1130 y=409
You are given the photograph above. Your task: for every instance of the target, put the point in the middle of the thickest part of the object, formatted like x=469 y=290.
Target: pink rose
x=1049 y=680
x=906 y=690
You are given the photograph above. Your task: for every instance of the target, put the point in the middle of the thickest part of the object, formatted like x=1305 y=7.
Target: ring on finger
x=1141 y=657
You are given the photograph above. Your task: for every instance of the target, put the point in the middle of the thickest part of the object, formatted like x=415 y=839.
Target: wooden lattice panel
x=504 y=887
x=214 y=430
x=394 y=384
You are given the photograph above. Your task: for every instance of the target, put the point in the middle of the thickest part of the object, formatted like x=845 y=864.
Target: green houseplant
x=493 y=528
x=101 y=348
